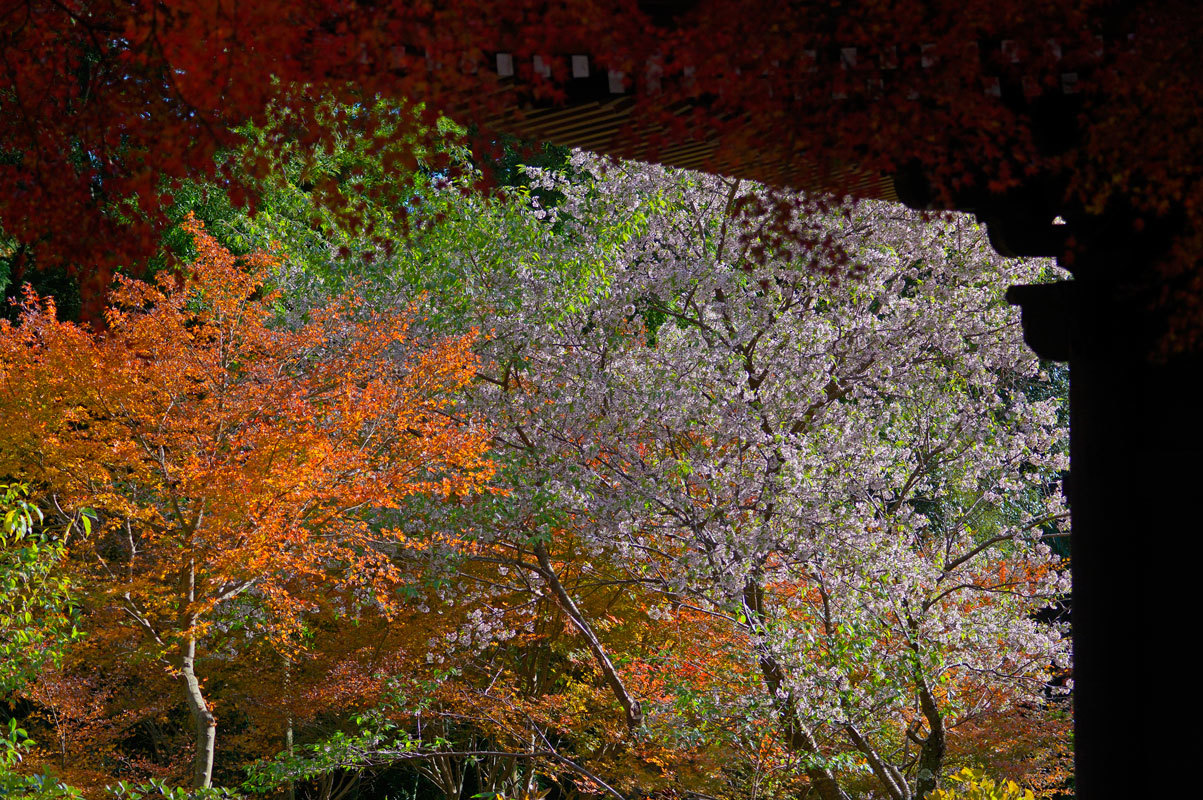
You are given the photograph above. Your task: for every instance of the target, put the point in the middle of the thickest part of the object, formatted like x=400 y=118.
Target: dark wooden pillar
x=1136 y=496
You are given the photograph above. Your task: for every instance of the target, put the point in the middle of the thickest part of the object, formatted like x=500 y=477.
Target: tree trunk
x=887 y=776
x=288 y=744
x=931 y=754
x=797 y=736
x=203 y=719
x=630 y=706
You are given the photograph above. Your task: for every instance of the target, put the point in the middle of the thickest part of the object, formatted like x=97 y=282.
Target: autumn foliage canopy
x=225 y=457
x=1081 y=109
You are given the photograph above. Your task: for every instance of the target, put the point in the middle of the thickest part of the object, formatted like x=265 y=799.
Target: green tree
x=36 y=612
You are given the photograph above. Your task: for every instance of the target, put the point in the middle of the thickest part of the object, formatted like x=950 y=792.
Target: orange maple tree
x=235 y=472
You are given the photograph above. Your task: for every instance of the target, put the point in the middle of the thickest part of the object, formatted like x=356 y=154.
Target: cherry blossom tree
x=857 y=477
